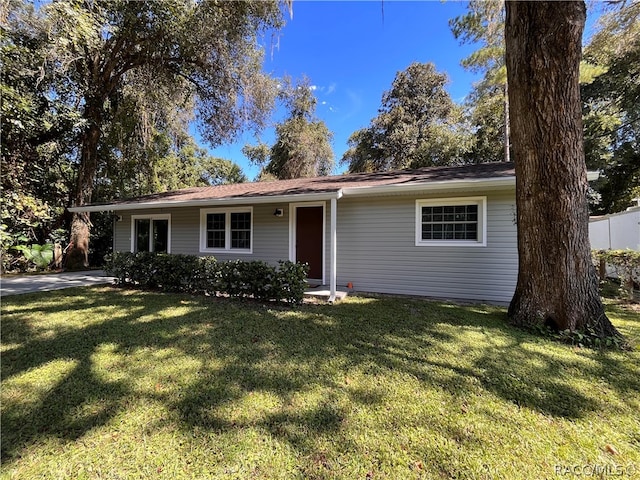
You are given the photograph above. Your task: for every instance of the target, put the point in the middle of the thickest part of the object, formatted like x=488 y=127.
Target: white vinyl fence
x=618 y=231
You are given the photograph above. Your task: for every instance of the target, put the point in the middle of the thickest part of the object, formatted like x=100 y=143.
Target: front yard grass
x=114 y=384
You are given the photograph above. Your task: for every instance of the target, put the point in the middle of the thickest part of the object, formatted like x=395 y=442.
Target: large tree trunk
x=77 y=256
x=557 y=282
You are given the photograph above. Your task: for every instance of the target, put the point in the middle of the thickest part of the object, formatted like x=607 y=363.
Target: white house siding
x=376 y=248
x=377 y=252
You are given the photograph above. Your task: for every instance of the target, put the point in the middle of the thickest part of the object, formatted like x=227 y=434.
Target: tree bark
x=557 y=282
x=77 y=257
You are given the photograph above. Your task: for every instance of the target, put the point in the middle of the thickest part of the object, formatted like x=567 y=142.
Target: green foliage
x=302 y=149
x=170 y=163
x=302 y=146
x=37 y=131
x=418 y=125
x=483 y=25
x=611 y=109
x=290 y=280
x=162 y=60
x=101 y=243
x=192 y=274
x=7 y=241
x=610 y=79
x=627 y=265
x=485 y=112
x=40 y=255
x=98 y=97
x=25 y=218
x=590 y=338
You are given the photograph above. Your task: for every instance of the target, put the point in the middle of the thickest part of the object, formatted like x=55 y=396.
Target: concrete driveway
x=18 y=284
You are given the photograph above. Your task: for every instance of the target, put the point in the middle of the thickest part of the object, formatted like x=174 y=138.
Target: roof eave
x=115 y=207
x=434 y=186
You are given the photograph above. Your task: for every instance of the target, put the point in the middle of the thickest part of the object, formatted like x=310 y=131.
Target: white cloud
x=322 y=89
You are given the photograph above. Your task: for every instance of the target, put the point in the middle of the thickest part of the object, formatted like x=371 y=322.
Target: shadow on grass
x=243 y=347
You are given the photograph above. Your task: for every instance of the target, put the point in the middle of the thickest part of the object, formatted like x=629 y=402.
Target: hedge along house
x=444 y=232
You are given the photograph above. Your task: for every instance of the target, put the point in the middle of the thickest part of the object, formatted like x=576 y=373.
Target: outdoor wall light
x=278 y=213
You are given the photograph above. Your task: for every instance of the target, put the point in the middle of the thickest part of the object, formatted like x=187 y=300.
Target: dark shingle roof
x=301 y=186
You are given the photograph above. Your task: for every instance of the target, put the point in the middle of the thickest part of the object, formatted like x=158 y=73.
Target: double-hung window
x=151 y=233
x=226 y=230
x=452 y=221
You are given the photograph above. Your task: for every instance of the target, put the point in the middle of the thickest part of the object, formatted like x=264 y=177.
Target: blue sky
x=351 y=51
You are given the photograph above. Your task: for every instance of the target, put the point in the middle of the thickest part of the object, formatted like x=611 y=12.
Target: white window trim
x=227 y=230
x=292 y=233
x=157 y=216
x=482 y=221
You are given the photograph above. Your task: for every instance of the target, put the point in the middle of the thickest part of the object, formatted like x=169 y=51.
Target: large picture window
x=454 y=221
x=223 y=230
x=151 y=233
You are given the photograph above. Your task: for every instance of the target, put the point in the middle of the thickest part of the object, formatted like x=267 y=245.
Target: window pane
x=240 y=239
x=427 y=214
x=160 y=235
x=216 y=230
x=215 y=221
x=142 y=235
x=215 y=239
x=472 y=213
x=472 y=231
x=449 y=222
x=241 y=230
x=447 y=231
x=241 y=221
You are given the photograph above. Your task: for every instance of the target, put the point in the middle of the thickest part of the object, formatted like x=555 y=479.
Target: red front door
x=309 y=226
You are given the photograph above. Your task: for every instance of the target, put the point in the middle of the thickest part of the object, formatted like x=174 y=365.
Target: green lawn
x=114 y=384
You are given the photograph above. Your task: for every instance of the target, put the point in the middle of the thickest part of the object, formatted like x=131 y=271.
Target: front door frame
x=292 y=232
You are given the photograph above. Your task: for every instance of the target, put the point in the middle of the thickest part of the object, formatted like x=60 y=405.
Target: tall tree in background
x=557 y=283
x=418 y=125
x=488 y=107
x=611 y=107
x=171 y=164
x=37 y=131
x=302 y=146
x=168 y=58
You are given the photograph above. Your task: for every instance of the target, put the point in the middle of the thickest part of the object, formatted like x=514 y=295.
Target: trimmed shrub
x=626 y=264
x=290 y=274
x=192 y=274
